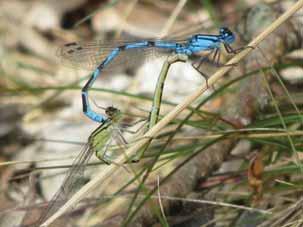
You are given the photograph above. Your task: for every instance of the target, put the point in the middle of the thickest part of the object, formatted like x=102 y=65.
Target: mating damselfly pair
x=106 y=131
x=101 y=57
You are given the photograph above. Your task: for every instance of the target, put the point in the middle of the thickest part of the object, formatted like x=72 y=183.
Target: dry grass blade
x=174 y=113
x=285 y=217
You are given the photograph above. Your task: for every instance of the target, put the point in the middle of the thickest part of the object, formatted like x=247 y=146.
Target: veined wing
x=121 y=144
x=88 y=55
x=105 y=145
x=115 y=147
x=72 y=182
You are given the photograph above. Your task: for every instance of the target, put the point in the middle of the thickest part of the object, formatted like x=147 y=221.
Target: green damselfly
x=100 y=143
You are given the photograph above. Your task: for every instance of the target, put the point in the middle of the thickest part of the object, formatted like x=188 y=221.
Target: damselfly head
x=112 y=112
x=226 y=35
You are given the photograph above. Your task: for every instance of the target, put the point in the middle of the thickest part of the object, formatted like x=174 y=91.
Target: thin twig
x=216 y=203
x=159 y=197
x=172 y=18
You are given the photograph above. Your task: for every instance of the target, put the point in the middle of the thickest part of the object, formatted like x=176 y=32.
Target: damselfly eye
x=226 y=35
x=111 y=111
x=225 y=32
x=222 y=31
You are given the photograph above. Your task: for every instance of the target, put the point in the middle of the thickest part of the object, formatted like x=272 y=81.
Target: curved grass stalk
x=155 y=110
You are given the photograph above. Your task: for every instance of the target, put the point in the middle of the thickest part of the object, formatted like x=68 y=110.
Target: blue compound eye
x=225 y=32
x=226 y=35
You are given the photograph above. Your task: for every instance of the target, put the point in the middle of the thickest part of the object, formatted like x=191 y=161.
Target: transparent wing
x=88 y=55
x=121 y=143
x=101 y=151
x=72 y=182
x=112 y=150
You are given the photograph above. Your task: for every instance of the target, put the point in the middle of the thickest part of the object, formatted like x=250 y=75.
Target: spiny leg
x=200 y=63
x=123 y=127
x=217 y=58
x=230 y=50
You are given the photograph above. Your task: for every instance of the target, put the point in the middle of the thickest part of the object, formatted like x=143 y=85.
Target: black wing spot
x=151 y=43
x=121 y=48
x=70 y=44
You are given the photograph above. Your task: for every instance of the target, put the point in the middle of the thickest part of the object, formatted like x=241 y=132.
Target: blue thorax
x=202 y=42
